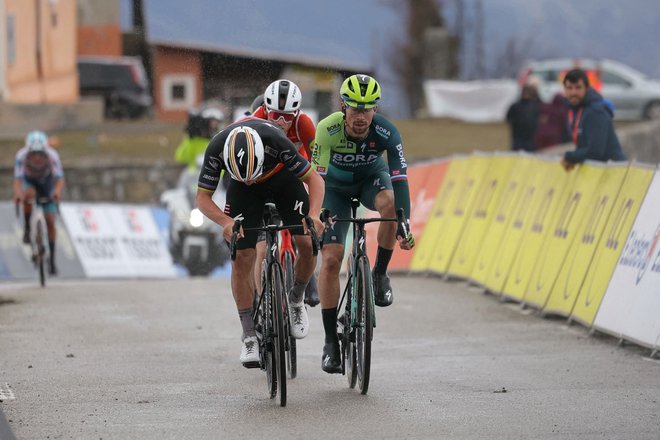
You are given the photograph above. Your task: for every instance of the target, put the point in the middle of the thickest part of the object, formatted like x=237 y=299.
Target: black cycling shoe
x=26 y=236
x=383 y=295
x=312 y=292
x=331 y=360
x=52 y=269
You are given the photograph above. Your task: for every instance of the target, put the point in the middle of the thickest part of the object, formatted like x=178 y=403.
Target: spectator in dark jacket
x=523 y=117
x=589 y=123
x=552 y=128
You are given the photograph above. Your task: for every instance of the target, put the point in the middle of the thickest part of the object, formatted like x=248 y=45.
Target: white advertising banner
x=631 y=306
x=471 y=101
x=117 y=241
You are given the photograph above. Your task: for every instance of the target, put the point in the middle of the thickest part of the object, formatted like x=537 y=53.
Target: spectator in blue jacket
x=589 y=122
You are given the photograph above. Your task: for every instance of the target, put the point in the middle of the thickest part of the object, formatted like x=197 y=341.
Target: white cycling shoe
x=250 y=352
x=298 y=319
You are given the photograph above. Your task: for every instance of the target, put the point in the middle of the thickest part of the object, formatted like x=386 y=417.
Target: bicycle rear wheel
x=267 y=325
x=41 y=251
x=291 y=353
x=364 y=329
x=279 y=337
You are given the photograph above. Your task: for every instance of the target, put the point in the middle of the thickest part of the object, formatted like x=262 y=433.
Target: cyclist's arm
x=316 y=189
x=18 y=175
x=209 y=179
x=306 y=132
x=321 y=149
x=398 y=173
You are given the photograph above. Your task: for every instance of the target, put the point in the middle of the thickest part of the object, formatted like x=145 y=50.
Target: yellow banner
x=608 y=250
x=567 y=285
x=487 y=200
x=517 y=226
x=541 y=218
x=524 y=169
x=570 y=216
x=460 y=208
x=446 y=193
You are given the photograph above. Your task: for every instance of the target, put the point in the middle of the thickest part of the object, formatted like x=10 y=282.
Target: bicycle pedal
x=252 y=364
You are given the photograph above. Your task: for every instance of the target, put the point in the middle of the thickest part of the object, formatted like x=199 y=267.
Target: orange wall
x=53 y=76
x=169 y=61
x=99 y=40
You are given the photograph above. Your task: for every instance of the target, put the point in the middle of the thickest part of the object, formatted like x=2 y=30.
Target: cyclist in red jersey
x=280 y=105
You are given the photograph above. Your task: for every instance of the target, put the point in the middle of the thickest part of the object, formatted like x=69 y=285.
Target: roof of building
x=337 y=35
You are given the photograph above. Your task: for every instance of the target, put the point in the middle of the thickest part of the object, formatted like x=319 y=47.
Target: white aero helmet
x=283 y=96
x=244 y=154
x=36 y=141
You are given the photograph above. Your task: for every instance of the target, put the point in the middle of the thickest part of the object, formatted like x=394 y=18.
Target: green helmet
x=360 y=91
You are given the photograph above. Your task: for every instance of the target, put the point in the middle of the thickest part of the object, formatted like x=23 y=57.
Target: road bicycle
x=277 y=347
x=356 y=325
x=40 y=252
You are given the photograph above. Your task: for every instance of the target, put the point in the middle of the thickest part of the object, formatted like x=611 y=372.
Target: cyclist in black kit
x=263 y=164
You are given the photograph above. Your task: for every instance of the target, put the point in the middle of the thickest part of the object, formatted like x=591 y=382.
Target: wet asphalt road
x=159 y=360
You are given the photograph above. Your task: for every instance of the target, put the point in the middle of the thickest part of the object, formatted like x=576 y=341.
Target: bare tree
x=406 y=57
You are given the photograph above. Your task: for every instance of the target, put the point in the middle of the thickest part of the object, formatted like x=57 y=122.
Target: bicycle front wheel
x=40 y=235
x=291 y=352
x=364 y=329
x=279 y=336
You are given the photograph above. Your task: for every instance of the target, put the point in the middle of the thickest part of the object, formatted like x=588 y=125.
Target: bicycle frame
x=272 y=310
x=40 y=251
x=358 y=302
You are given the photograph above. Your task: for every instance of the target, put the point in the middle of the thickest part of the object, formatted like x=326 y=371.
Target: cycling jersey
x=345 y=162
x=301 y=133
x=277 y=150
x=39 y=166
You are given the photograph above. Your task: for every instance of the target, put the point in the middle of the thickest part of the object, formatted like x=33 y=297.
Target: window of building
x=178 y=92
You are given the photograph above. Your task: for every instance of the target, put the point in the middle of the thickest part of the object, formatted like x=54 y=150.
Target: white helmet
x=213 y=113
x=244 y=154
x=283 y=96
x=36 y=141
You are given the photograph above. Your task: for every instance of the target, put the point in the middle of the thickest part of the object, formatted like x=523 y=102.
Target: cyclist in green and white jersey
x=348 y=153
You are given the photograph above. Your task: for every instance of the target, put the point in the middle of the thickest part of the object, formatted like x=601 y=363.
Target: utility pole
x=479 y=40
x=140 y=30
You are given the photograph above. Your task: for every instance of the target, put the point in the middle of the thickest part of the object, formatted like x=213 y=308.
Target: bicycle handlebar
x=307 y=219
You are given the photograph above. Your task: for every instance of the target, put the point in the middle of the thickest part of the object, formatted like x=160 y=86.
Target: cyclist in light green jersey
x=348 y=153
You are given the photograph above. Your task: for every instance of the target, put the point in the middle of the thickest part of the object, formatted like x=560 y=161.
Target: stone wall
x=125 y=183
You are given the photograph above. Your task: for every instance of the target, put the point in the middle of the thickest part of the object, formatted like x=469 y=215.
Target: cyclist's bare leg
x=260 y=255
x=303 y=268
x=384 y=203
x=332 y=256
x=328 y=284
x=242 y=281
x=29 y=195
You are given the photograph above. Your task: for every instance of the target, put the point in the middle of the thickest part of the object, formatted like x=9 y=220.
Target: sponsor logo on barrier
x=621 y=217
x=444 y=197
x=567 y=214
x=507 y=200
x=481 y=209
x=642 y=253
x=98 y=248
x=461 y=202
x=143 y=249
x=537 y=223
x=133 y=221
x=87 y=219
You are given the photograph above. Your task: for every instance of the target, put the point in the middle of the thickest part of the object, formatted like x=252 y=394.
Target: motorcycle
x=195 y=241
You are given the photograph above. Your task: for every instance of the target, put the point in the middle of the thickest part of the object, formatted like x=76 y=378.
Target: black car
x=121 y=81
